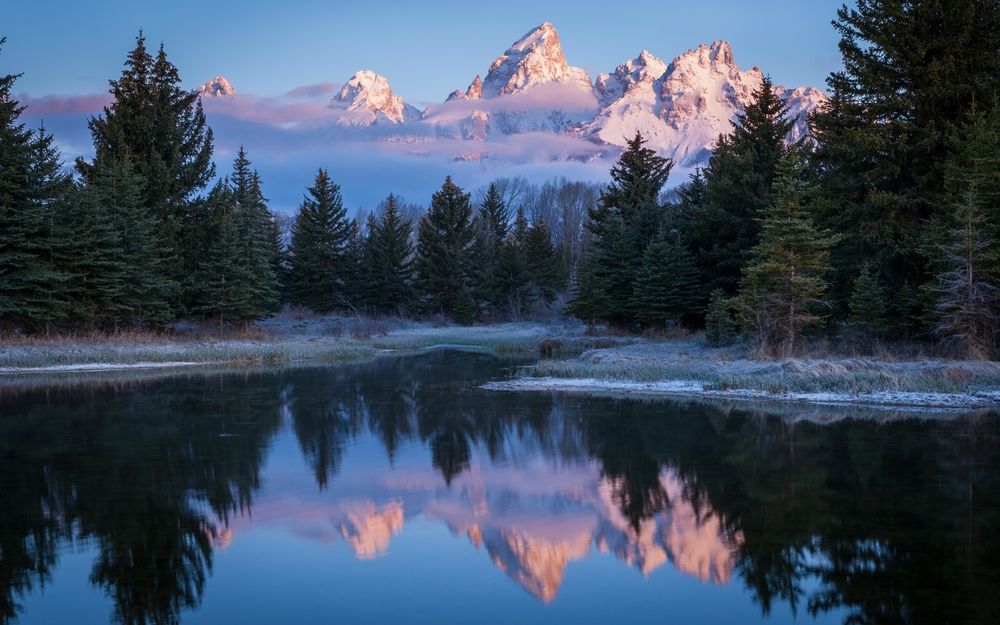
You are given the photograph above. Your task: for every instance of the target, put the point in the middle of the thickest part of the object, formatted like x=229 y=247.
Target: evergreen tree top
x=636 y=179
x=764 y=123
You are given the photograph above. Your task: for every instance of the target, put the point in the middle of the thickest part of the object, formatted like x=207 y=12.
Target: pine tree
x=966 y=288
x=720 y=327
x=444 y=261
x=223 y=278
x=912 y=71
x=161 y=127
x=585 y=302
x=357 y=278
x=393 y=258
x=493 y=223
x=666 y=286
x=278 y=254
x=626 y=218
x=318 y=250
x=367 y=280
x=616 y=268
x=783 y=286
x=252 y=221
x=270 y=252
x=636 y=181
x=720 y=223
x=118 y=266
x=512 y=274
x=33 y=199
x=868 y=302
x=907 y=312
x=541 y=262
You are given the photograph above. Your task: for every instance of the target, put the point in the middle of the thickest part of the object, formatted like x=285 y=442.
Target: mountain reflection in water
x=859 y=521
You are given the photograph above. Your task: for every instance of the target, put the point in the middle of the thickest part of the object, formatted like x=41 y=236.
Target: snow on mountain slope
x=685 y=108
x=368 y=99
x=529 y=88
x=532 y=96
x=537 y=58
x=218 y=87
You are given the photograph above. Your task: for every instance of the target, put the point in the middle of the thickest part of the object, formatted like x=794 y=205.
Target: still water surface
x=397 y=492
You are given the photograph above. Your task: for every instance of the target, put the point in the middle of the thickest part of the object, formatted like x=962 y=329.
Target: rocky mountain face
x=218 y=87
x=367 y=99
x=535 y=59
x=681 y=107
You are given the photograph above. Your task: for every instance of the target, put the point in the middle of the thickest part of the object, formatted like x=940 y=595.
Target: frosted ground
x=580 y=363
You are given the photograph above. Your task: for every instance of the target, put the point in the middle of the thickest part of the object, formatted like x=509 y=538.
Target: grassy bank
x=277 y=341
x=687 y=366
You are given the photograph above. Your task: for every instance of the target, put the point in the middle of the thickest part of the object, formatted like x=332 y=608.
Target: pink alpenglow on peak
x=531 y=105
x=218 y=87
x=684 y=108
x=367 y=99
x=535 y=59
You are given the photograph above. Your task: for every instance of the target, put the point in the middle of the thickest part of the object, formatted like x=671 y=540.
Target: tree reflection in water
x=894 y=521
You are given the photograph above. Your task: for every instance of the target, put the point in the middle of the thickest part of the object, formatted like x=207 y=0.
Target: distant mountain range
x=681 y=107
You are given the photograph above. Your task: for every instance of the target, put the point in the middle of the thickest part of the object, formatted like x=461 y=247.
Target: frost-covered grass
x=289 y=338
x=732 y=372
x=167 y=351
x=860 y=382
x=643 y=371
x=505 y=339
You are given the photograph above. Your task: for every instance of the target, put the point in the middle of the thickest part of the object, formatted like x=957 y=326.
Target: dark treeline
x=882 y=224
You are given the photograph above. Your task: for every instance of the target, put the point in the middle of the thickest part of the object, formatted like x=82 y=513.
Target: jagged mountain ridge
x=218 y=87
x=681 y=107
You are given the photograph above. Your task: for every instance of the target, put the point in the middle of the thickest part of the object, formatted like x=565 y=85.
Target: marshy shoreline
x=573 y=361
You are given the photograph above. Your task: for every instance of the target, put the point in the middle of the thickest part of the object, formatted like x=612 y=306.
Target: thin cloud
x=318 y=90
x=52 y=105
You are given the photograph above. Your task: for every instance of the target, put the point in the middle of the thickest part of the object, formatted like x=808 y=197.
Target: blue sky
x=425 y=49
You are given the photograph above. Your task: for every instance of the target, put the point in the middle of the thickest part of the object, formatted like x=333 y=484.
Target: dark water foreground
x=396 y=492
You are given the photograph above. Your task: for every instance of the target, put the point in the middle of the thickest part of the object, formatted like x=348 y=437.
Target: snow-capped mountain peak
x=534 y=59
x=218 y=87
x=474 y=92
x=682 y=108
x=367 y=98
x=643 y=69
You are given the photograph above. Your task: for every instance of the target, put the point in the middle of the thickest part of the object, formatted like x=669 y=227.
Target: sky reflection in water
x=396 y=491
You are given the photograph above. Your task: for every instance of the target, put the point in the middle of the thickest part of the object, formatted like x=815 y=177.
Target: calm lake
x=398 y=492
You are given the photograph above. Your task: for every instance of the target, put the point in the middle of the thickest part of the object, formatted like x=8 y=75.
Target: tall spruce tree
x=542 y=262
x=444 y=263
x=720 y=221
x=223 y=278
x=273 y=249
x=625 y=219
x=161 y=127
x=118 y=267
x=393 y=257
x=720 y=327
x=868 y=302
x=666 y=285
x=912 y=71
x=966 y=286
x=493 y=224
x=318 y=252
x=512 y=273
x=32 y=208
x=782 y=290
x=357 y=277
x=253 y=223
